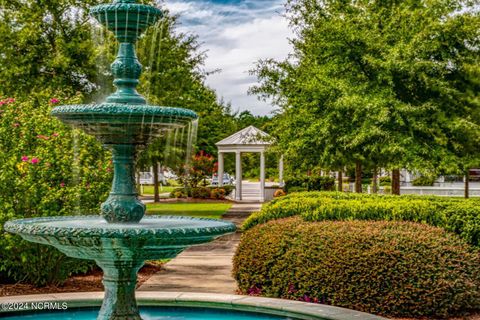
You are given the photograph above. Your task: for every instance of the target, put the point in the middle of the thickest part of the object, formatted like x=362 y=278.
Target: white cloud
x=236 y=36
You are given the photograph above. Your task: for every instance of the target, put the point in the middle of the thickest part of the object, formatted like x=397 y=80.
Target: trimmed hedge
x=456 y=215
x=309 y=183
x=390 y=268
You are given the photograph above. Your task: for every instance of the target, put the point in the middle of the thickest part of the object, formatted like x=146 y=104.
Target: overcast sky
x=236 y=33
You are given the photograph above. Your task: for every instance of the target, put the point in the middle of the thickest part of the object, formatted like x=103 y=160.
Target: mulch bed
x=91 y=281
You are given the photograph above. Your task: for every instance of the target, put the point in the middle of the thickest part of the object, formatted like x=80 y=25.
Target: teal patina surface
x=121 y=239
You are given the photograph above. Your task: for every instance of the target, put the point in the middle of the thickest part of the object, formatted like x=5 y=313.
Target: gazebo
x=250 y=139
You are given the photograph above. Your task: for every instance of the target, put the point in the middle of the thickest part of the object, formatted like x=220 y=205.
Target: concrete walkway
x=204 y=268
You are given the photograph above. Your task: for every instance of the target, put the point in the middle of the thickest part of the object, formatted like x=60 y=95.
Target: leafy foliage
x=45 y=170
x=310 y=183
x=209 y=192
x=424 y=181
x=456 y=215
x=390 y=268
x=387 y=83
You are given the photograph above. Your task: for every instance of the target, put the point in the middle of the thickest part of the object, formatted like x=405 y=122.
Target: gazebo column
x=280 y=171
x=238 y=174
x=220 y=169
x=262 y=176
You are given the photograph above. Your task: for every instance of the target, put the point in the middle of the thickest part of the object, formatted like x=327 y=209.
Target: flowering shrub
x=400 y=269
x=46 y=169
x=202 y=167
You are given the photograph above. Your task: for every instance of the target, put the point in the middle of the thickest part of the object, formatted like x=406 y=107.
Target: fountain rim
x=126 y=6
x=270 y=306
x=34 y=227
x=119 y=109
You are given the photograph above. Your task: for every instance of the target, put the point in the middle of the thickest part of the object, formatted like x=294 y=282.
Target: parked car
x=227 y=179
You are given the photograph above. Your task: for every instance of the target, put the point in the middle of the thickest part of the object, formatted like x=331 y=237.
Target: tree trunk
x=375 y=180
x=358 y=177
x=340 y=181
x=156 y=192
x=467 y=184
x=396 y=182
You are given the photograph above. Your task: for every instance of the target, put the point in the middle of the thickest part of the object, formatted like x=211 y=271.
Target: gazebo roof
x=250 y=136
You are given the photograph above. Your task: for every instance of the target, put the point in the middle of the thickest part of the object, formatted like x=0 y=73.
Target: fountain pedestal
x=119 y=280
x=123 y=204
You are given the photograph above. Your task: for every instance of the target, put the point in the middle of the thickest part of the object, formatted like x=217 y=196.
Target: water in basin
x=153 y=314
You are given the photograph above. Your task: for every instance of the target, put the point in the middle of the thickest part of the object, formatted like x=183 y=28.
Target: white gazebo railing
x=250 y=139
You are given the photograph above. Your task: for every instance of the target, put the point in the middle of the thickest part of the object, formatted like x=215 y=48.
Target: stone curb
x=287 y=308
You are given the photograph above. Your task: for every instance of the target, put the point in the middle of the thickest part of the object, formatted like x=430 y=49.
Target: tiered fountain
x=121 y=239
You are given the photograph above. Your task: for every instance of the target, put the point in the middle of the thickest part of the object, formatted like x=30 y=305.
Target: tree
x=174 y=76
x=384 y=82
x=46 y=45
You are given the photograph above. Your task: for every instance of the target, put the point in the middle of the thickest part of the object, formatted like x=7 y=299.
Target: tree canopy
x=387 y=83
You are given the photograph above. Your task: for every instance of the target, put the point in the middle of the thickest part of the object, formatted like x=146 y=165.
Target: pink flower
x=55 y=134
x=54 y=101
x=62 y=184
x=35 y=160
x=16 y=124
x=24 y=158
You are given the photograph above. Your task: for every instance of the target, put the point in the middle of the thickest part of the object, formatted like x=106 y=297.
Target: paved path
x=204 y=268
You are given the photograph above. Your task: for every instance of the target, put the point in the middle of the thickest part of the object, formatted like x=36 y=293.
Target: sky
x=236 y=34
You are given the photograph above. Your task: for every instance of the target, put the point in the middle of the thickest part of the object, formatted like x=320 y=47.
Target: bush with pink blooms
x=46 y=169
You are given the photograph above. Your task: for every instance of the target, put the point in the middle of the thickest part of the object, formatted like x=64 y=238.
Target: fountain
x=121 y=239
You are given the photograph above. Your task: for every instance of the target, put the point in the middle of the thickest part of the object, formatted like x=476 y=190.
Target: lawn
x=148 y=190
x=192 y=209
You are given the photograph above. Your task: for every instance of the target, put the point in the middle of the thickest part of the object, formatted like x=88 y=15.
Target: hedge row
x=310 y=183
x=210 y=192
x=456 y=215
x=389 y=268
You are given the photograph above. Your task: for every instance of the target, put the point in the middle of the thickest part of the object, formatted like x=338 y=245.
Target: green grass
x=192 y=209
x=148 y=190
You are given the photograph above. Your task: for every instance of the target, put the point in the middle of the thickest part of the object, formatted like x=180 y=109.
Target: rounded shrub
x=382 y=267
x=453 y=214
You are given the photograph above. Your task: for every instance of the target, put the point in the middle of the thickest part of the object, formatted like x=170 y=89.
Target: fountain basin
x=189 y=306
x=115 y=123
x=91 y=237
x=120 y=249
x=126 y=19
